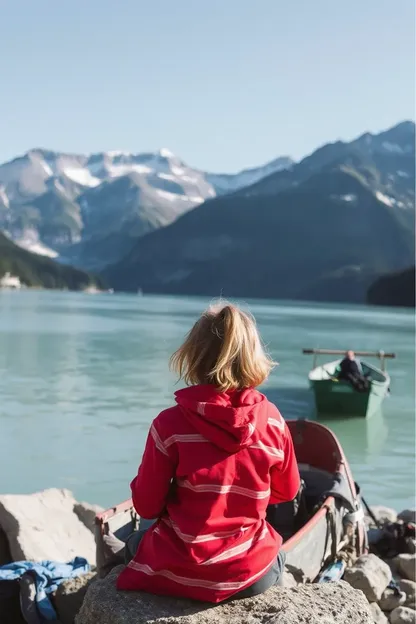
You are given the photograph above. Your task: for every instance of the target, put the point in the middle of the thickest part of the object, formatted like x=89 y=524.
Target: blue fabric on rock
x=46 y=575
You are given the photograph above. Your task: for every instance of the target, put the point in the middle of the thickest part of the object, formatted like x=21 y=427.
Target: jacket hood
x=231 y=420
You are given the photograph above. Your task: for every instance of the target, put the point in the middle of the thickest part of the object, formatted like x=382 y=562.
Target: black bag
x=287 y=518
x=10 y=603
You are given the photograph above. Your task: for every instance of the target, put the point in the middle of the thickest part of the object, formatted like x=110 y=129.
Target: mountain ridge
x=39 y=271
x=325 y=231
x=110 y=211
x=42 y=180
x=394 y=289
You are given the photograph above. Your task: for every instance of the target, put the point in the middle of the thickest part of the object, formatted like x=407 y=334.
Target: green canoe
x=338 y=398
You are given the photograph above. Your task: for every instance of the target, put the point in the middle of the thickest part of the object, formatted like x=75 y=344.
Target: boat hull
x=308 y=549
x=319 y=539
x=340 y=399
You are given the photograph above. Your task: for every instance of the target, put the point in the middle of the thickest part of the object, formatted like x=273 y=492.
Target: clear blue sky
x=223 y=83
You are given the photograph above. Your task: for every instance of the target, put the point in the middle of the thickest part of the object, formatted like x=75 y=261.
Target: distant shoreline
x=129 y=293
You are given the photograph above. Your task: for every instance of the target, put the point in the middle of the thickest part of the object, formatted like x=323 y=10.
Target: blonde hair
x=223 y=348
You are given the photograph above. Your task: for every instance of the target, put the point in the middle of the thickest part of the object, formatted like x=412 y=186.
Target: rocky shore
x=53 y=525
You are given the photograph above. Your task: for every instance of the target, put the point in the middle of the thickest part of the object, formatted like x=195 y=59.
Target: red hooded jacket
x=211 y=466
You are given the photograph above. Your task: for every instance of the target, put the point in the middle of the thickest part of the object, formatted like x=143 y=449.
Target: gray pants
x=273 y=577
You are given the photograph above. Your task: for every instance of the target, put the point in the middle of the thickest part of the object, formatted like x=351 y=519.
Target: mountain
x=228 y=183
x=90 y=209
x=35 y=270
x=322 y=230
x=394 y=289
x=384 y=161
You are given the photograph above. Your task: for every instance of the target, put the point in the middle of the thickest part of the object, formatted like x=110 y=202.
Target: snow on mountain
x=4 y=200
x=54 y=202
x=30 y=241
x=389 y=201
x=228 y=183
x=30 y=175
x=55 y=199
x=397 y=141
x=81 y=176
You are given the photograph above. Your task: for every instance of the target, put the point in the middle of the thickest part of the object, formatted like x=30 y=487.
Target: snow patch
x=165 y=153
x=3 y=197
x=31 y=242
x=389 y=201
x=116 y=171
x=179 y=171
x=175 y=197
x=81 y=176
x=40 y=250
x=166 y=195
x=227 y=183
x=115 y=153
x=392 y=147
x=47 y=169
x=166 y=176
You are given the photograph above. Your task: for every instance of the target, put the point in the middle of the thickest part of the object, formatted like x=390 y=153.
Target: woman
x=211 y=466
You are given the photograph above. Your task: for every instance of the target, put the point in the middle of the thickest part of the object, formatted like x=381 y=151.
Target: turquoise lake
x=82 y=376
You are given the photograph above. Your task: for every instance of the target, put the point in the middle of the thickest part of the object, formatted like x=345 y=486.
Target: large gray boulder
x=406 y=566
x=403 y=615
x=409 y=588
x=371 y=575
x=391 y=599
x=44 y=526
x=69 y=596
x=86 y=513
x=326 y=603
x=378 y=616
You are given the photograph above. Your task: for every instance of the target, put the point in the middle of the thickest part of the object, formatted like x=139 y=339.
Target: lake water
x=82 y=376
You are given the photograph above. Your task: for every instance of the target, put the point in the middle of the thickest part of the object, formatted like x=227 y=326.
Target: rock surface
x=382 y=514
x=406 y=566
x=86 y=513
x=391 y=599
x=70 y=595
x=378 y=616
x=407 y=515
x=44 y=526
x=409 y=588
x=5 y=555
x=403 y=615
x=288 y=579
x=371 y=575
x=326 y=603
x=411 y=543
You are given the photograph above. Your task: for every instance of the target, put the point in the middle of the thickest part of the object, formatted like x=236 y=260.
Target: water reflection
x=360 y=437
x=292 y=402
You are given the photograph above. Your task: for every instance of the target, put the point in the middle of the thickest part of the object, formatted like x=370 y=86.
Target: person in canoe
x=352 y=372
x=211 y=466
